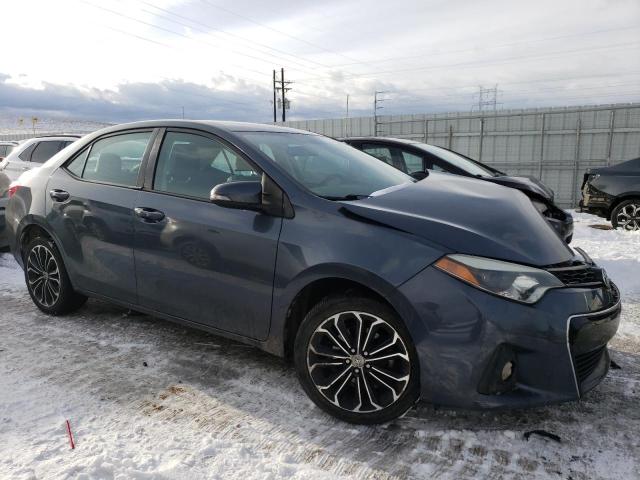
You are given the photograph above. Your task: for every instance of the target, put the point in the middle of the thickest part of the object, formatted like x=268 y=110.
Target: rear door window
x=391 y=155
x=115 y=160
x=45 y=150
x=412 y=162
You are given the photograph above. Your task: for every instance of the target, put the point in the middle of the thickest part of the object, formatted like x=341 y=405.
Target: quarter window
x=192 y=165
x=116 y=159
x=77 y=164
x=25 y=155
x=44 y=151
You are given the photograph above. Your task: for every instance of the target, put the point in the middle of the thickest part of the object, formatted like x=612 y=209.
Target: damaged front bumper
x=478 y=350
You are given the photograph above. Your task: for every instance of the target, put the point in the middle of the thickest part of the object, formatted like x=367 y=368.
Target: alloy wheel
x=358 y=362
x=629 y=217
x=43 y=275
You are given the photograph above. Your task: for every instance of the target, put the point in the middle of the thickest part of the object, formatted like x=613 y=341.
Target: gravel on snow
x=150 y=399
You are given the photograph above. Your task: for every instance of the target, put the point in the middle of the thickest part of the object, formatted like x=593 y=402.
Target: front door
x=196 y=260
x=90 y=206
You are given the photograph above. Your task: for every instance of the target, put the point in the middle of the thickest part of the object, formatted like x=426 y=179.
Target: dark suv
x=614 y=193
x=381 y=289
x=418 y=158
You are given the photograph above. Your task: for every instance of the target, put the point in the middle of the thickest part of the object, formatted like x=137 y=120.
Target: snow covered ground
x=149 y=399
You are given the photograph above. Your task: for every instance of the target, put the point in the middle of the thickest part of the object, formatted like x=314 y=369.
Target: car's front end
x=509 y=316
x=488 y=351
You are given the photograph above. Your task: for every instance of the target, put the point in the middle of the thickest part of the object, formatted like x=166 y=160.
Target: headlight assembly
x=509 y=280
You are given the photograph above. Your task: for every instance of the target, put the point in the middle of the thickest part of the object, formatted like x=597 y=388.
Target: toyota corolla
x=382 y=290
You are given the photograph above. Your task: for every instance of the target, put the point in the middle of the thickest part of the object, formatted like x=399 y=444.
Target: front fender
x=284 y=296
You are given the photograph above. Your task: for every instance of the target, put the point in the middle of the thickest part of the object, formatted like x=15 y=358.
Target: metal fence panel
x=556 y=145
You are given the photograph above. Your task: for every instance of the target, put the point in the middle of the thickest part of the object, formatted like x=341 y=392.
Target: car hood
x=465 y=215
x=630 y=167
x=524 y=184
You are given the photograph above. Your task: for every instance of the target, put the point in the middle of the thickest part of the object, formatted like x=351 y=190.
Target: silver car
x=33 y=153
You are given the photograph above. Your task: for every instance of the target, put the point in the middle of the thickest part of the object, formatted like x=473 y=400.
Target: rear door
x=196 y=260
x=90 y=206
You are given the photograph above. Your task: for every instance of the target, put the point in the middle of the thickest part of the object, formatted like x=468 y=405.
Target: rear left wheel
x=355 y=360
x=47 y=280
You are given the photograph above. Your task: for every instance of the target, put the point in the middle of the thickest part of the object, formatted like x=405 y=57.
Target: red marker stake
x=70 y=435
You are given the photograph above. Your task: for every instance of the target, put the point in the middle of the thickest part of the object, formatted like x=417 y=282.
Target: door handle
x=149 y=214
x=59 y=195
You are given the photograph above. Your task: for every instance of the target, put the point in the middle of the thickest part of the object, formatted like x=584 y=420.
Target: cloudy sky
x=120 y=60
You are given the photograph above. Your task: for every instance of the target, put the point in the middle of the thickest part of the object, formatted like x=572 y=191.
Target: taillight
x=13 y=189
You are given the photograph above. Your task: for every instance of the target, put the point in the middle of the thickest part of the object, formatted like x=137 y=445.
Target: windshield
x=326 y=167
x=463 y=163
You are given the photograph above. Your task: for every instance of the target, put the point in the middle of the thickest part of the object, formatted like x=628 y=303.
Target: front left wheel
x=355 y=360
x=47 y=280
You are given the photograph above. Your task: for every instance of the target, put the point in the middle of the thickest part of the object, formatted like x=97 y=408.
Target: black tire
x=626 y=215
x=48 y=298
x=362 y=382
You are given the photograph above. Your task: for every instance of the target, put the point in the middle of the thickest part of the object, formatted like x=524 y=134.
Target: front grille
x=583 y=276
x=586 y=363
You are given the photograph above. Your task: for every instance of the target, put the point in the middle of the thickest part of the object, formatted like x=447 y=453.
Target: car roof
x=47 y=138
x=404 y=141
x=217 y=124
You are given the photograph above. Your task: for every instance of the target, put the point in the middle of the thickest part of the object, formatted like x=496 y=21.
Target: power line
x=503 y=45
x=255 y=22
x=483 y=63
x=210 y=27
x=158 y=27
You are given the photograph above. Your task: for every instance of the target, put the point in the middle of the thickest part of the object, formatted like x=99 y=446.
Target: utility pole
x=284 y=100
x=280 y=85
x=487 y=97
x=183 y=113
x=275 y=106
x=346 y=121
x=376 y=107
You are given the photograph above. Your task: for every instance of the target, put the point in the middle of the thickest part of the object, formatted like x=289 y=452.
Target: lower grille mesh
x=585 y=363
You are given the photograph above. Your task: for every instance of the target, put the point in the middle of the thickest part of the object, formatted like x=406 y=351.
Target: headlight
x=509 y=280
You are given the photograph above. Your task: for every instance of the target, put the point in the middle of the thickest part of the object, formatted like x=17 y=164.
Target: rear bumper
x=464 y=338
x=594 y=201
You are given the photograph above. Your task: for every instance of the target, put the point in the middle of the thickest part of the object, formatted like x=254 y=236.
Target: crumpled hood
x=469 y=216
x=524 y=184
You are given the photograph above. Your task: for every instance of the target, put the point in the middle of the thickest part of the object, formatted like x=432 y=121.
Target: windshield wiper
x=350 y=196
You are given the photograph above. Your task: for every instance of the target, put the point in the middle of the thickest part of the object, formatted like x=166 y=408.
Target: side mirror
x=243 y=195
x=420 y=175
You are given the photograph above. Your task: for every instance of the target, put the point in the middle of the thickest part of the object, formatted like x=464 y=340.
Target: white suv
x=33 y=153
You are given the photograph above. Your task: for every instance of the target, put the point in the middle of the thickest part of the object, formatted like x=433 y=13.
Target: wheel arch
x=306 y=291
x=619 y=199
x=30 y=228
